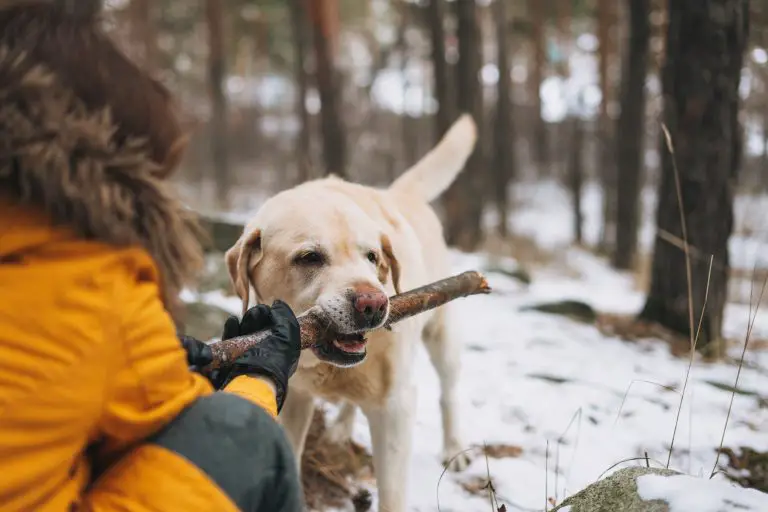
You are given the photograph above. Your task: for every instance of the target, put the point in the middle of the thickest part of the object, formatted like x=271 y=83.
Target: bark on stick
x=316 y=328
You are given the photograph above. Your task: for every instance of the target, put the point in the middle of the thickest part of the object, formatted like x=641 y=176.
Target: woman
x=98 y=408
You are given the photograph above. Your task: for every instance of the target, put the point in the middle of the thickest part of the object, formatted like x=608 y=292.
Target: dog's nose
x=371 y=306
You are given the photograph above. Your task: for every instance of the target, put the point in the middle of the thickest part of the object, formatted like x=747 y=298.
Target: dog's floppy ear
x=241 y=258
x=392 y=263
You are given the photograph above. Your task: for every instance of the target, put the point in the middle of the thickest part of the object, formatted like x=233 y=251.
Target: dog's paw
x=456 y=460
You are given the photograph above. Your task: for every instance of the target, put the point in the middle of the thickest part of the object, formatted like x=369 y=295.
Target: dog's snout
x=370 y=307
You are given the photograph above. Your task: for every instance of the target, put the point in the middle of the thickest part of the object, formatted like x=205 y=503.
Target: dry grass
x=629 y=328
x=329 y=471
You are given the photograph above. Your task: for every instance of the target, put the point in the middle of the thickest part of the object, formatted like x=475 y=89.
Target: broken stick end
x=484 y=286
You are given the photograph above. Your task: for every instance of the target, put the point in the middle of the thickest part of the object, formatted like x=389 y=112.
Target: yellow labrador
x=347 y=248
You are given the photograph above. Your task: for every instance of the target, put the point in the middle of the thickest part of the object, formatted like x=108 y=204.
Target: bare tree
x=606 y=166
x=576 y=174
x=324 y=15
x=537 y=10
x=706 y=40
x=463 y=201
x=445 y=112
x=219 y=116
x=504 y=136
x=300 y=44
x=630 y=134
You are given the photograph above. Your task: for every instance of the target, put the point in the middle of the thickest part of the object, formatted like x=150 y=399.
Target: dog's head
x=319 y=249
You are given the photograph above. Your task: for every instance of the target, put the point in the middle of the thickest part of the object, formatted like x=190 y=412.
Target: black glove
x=276 y=357
x=199 y=354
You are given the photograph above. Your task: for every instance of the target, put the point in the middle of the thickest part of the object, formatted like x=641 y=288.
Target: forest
x=616 y=199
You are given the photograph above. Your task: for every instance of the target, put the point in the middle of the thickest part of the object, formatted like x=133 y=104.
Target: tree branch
x=317 y=328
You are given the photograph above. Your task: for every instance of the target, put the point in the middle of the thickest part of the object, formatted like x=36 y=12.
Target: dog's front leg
x=391 y=436
x=296 y=417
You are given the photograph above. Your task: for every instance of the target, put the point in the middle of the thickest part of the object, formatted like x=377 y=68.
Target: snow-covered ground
x=528 y=376
x=575 y=402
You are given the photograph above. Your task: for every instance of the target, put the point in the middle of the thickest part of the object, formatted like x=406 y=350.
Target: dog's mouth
x=345 y=351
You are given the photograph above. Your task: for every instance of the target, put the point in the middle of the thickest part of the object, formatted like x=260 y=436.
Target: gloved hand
x=199 y=354
x=276 y=357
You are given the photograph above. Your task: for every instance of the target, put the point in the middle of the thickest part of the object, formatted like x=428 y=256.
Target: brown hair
x=88 y=137
x=65 y=36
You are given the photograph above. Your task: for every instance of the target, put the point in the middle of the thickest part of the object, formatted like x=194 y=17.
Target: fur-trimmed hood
x=61 y=158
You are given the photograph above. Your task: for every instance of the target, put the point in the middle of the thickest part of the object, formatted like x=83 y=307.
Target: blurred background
x=573 y=190
x=277 y=92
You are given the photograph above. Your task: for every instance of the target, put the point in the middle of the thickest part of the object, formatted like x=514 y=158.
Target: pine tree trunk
x=576 y=175
x=540 y=139
x=445 y=112
x=219 y=121
x=464 y=199
x=706 y=40
x=299 y=27
x=630 y=134
x=606 y=162
x=504 y=140
x=324 y=23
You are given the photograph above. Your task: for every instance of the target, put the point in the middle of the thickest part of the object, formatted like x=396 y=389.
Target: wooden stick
x=316 y=328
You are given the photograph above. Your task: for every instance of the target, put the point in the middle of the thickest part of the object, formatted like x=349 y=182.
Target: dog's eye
x=372 y=257
x=310 y=258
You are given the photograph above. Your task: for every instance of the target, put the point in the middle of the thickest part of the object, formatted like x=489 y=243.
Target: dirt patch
x=629 y=328
x=501 y=451
x=746 y=467
x=329 y=471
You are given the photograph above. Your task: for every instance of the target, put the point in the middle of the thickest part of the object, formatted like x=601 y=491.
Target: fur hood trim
x=57 y=155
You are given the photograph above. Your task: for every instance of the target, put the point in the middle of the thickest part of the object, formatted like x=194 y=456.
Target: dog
x=346 y=248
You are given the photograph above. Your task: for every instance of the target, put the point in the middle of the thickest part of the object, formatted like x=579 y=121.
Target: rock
x=215 y=275
x=662 y=490
x=219 y=234
x=573 y=309
x=203 y=321
x=617 y=492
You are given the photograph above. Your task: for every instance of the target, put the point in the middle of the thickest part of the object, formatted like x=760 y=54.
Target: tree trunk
x=606 y=164
x=630 y=134
x=445 y=112
x=576 y=175
x=143 y=33
x=504 y=141
x=706 y=40
x=324 y=23
x=408 y=137
x=540 y=139
x=299 y=27
x=464 y=199
x=219 y=122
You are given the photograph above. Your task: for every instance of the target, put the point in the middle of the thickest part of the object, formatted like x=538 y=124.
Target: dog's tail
x=435 y=172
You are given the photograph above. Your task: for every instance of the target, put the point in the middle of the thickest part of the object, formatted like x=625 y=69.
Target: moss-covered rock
x=203 y=321
x=616 y=493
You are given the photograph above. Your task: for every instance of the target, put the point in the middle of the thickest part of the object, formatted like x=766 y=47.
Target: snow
x=685 y=493
x=575 y=401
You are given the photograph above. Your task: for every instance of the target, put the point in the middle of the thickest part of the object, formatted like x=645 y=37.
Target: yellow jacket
x=90 y=366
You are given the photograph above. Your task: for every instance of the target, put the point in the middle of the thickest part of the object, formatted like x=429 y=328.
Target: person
x=99 y=410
